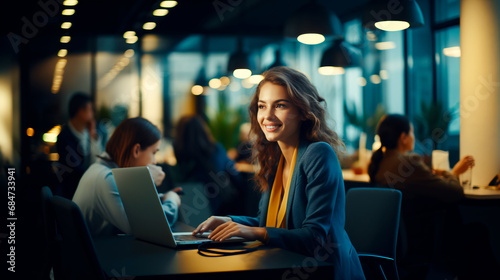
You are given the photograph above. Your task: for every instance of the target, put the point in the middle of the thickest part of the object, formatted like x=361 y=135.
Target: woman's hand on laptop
x=157 y=174
x=211 y=224
x=233 y=229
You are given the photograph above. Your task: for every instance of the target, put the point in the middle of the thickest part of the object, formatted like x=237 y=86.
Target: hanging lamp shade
x=239 y=64
x=200 y=83
x=277 y=60
x=312 y=23
x=383 y=15
x=339 y=56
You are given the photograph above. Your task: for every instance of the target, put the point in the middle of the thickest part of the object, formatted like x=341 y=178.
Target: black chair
x=372 y=223
x=52 y=239
x=78 y=257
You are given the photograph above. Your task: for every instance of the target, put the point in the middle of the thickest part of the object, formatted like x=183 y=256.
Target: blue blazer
x=315 y=212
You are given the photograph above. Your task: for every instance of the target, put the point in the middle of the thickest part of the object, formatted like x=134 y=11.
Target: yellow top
x=276 y=210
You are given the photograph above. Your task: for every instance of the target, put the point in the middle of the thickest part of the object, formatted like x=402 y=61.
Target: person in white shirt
x=134 y=143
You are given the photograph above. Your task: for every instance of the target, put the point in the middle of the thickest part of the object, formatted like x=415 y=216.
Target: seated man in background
x=78 y=144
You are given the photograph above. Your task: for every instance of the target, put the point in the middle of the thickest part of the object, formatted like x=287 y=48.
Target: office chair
x=52 y=239
x=78 y=257
x=372 y=223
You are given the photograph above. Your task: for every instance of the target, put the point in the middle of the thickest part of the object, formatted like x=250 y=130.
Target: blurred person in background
x=201 y=159
x=429 y=208
x=134 y=143
x=78 y=144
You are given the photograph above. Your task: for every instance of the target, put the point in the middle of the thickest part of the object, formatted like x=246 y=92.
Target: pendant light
x=238 y=64
x=312 y=23
x=339 y=56
x=277 y=60
x=389 y=16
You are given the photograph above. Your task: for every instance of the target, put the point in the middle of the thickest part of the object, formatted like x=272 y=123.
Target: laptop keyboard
x=191 y=238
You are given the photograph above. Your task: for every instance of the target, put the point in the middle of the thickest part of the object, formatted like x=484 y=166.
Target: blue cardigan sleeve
x=250 y=221
x=323 y=180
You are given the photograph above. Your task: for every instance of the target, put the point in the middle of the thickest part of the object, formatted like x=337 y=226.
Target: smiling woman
x=302 y=207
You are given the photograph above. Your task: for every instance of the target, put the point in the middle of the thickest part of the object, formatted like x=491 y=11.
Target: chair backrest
x=49 y=222
x=49 y=227
x=372 y=220
x=78 y=256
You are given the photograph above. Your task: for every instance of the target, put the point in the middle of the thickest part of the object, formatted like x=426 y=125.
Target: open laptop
x=145 y=213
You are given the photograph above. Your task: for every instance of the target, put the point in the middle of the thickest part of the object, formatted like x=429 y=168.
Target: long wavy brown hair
x=303 y=94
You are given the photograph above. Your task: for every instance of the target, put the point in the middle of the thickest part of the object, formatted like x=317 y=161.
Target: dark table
x=124 y=257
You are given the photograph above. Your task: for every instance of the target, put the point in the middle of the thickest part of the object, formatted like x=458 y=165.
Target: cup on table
x=466 y=179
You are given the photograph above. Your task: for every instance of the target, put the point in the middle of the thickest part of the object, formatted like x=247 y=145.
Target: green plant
x=226 y=122
x=433 y=122
x=367 y=124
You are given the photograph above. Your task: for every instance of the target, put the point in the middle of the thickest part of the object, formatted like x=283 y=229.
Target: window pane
x=446 y=10
x=448 y=73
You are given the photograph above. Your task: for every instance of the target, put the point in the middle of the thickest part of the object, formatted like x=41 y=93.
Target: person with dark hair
x=392 y=165
x=200 y=158
x=78 y=144
x=302 y=208
x=430 y=198
x=133 y=143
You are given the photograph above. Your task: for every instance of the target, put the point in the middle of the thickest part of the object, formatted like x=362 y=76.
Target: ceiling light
x=452 y=51
x=168 y=4
x=385 y=45
x=66 y=25
x=61 y=63
x=311 y=38
x=65 y=39
x=70 y=3
x=339 y=56
x=371 y=36
x=384 y=74
x=160 y=12
x=128 y=34
x=362 y=81
x=62 y=53
x=255 y=79
x=311 y=23
x=382 y=15
x=215 y=83
x=224 y=80
x=132 y=40
x=30 y=132
x=129 y=53
x=197 y=90
x=149 y=25
x=68 y=12
x=242 y=73
x=375 y=79
x=238 y=64
x=331 y=70
x=392 y=25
